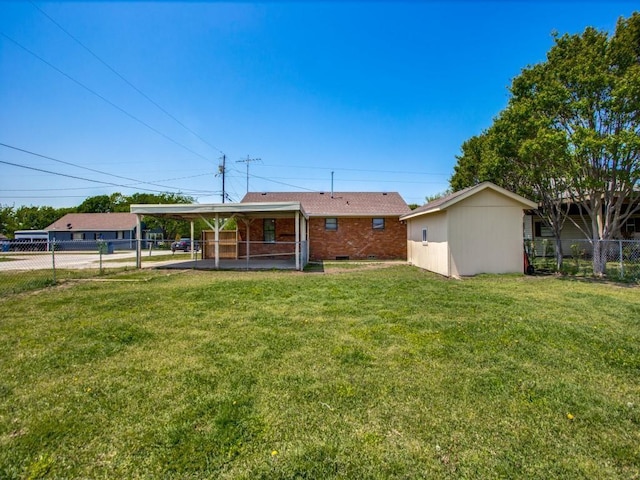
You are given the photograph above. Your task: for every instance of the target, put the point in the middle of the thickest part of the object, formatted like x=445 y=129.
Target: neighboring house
x=475 y=230
x=571 y=236
x=88 y=228
x=342 y=225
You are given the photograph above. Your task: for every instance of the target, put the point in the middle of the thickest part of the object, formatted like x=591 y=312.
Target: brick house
x=342 y=225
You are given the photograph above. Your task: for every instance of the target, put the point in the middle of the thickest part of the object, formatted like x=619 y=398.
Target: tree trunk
x=596 y=236
x=599 y=258
x=559 y=256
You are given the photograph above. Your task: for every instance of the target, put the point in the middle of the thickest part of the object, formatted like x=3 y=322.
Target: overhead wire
x=106 y=100
x=101 y=182
x=86 y=168
x=122 y=77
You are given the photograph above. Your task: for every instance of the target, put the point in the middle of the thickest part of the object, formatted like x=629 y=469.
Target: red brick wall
x=356 y=239
x=285 y=232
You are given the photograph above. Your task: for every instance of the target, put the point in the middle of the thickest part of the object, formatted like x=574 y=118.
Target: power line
x=281 y=183
x=357 y=170
x=119 y=75
x=75 y=177
x=97 y=181
x=83 y=167
x=88 y=89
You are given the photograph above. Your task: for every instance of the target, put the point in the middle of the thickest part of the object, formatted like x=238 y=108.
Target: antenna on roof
x=247 y=161
x=332 y=184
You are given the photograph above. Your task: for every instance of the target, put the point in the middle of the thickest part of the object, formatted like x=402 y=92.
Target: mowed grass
x=378 y=373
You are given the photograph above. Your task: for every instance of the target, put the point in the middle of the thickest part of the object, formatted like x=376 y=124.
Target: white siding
x=434 y=255
x=528 y=227
x=486 y=235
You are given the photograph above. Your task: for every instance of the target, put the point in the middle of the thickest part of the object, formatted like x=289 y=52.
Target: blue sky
x=381 y=93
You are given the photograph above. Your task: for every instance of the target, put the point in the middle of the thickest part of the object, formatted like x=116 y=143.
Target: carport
x=265 y=254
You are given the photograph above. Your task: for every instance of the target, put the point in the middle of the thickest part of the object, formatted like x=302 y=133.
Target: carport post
x=138 y=242
x=216 y=239
x=297 y=240
x=193 y=240
x=304 y=245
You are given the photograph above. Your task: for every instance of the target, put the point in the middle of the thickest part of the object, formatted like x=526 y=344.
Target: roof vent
x=384 y=193
x=69 y=226
x=321 y=193
x=264 y=193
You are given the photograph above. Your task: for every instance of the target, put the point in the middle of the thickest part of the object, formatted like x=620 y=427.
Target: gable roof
x=447 y=201
x=340 y=204
x=94 y=222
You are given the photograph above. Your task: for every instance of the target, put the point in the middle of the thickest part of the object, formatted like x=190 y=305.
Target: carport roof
x=190 y=211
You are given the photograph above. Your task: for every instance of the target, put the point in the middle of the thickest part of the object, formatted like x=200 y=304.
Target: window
x=378 y=223
x=331 y=224
x=120 y=235
x=269 y=229
x=632 y=226
x=77 y=236
x=543 y=230
x=424 y=236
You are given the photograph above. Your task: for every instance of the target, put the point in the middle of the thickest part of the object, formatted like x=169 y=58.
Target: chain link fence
x=620 y=259
x=29 y=265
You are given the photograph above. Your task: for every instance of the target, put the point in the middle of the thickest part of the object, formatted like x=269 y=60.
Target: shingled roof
x=340 y=204
x=95 y=222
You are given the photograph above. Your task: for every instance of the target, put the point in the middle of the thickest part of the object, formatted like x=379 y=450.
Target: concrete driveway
x=67 y=260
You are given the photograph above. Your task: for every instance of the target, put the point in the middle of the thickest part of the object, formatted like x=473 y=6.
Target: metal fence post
x=621 y=259
x=53 y=259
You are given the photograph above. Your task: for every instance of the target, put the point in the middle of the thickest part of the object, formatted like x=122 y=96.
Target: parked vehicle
x=183 y=244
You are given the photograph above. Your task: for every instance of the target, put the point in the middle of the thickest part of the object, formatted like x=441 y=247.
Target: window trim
x=381 y=223
x=271 y=231
x=331 y=224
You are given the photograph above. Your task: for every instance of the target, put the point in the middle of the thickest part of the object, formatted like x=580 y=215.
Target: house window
x=378 y=223
x=269 y=229
x=543 y=230
x=120 y=235
x=331 y=224
x=424 y=236
x=632 y=226
x=77 y=236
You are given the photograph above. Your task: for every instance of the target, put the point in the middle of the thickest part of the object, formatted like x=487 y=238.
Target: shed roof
x=339 y=204
x=447 y=201
x=94 y=222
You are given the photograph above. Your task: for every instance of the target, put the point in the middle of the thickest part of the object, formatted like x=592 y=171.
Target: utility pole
x=222 y=171
x=248 y=161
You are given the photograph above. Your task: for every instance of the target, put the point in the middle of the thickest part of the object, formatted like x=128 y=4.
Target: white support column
x=248 y=223
x=217 y=240
x=298 y=240
x=138 y=242
x=303 y=236
x=193 y=240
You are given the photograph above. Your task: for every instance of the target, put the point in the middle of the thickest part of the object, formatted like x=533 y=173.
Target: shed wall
x=434 y=254
x=486 y=235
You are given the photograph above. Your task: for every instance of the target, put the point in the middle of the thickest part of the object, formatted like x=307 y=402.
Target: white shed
x=475 y=230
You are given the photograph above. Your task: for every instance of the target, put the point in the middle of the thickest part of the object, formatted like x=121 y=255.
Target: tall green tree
x=571 y=130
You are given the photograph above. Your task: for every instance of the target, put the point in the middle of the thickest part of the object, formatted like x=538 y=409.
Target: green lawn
x=373 y=373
